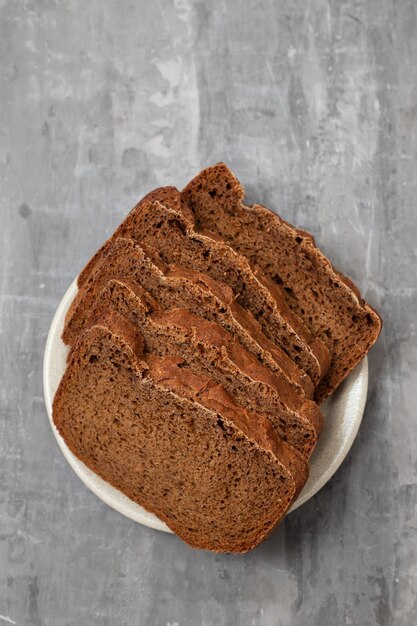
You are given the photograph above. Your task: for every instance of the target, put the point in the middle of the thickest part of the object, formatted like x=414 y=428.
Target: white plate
x=343 y=415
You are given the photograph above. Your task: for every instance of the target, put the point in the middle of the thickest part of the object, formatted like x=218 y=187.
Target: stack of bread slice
x=204 y=335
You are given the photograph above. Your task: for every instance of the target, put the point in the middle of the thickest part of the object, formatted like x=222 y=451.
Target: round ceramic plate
x=343 y=414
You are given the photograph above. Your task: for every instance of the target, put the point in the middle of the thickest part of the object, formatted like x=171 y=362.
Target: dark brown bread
x=209 y=349
x=163 y=221
x=174 y=442
x=176 y=286
x=328 y=302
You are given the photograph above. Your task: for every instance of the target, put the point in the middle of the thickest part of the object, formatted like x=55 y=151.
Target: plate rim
x=115 y=498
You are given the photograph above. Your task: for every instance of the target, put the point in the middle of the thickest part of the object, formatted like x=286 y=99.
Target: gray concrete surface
x=314 y=105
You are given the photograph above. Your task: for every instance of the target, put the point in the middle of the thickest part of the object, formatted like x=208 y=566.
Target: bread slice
x=209 y=349
x=170 y=230
x=328 y=302
x=174 y=442
x=175 y=286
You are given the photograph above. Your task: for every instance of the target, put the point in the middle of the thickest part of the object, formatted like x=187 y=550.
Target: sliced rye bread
x=163 y=222
x=174 y=442
x=208 y=349
x=175 y=286
x=328 y=302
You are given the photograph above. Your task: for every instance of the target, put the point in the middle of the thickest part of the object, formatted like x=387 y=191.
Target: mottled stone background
x=314 y=105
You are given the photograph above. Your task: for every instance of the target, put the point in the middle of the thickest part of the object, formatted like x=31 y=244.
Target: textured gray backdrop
x=314 y=105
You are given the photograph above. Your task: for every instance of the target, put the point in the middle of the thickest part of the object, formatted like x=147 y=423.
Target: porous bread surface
x=328 y=302
x=170 y=230
x=173 y=286
x=174 y=443
x=208 y=348
x=162 y=194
